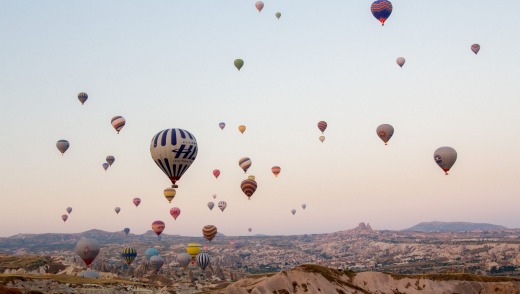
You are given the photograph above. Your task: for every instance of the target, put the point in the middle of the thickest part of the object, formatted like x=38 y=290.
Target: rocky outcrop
x=317 y=279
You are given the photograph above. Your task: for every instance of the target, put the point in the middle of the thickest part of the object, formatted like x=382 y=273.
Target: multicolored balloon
x=136 y=201
x=216 y=173
x=259 y=5
x=322 y=125
x=445 y=158
x=82 y=97
x=211 y=205
x=238 y=63
x=64 y=217
x=117 y=210
x=105 y=165
x=245 y=163
x=222 y=205
x=158 y=227
x=175 y=212
x=184 y=260
x=381 y=10
x=203 y=260
x=293 y=211
x=209 y=232
x=69 y=210
x=278 y=15
x=241 y=129
x=400 y=61
x=62 y=146
x=118 y=122
x=156 y=262
x=173 y=150
x=276 y=170
x=88 y=250
x=222 y=125
x=126 y=231
x=169 y=194
x=110 y=159
x=129 y=254
x=248 y=187
x=385 y=132
x=475 y=48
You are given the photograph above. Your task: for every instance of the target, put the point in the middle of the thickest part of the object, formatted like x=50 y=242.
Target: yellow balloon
x=169 y=193
x=242 y=128
x=251 y=177
x=193 y=249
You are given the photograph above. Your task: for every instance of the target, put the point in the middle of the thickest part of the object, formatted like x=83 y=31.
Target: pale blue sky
x=169 y=64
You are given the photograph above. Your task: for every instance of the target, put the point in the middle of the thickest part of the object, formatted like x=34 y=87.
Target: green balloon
x=239 y=63
x=278 y=14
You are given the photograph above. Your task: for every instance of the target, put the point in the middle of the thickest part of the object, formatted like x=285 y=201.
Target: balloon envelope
x=293 y=211
x=381 y=10
x=278 y=15
x=193 y=249
x=241 y=128
x=400 y=61
x=156 y=262
x=216 y=173
x=304 y=206
x=126 y=231
x=82 y=97
x=158 y=227
x=62 y=146
x=276 y=170
x=322 y=125
x=222 y=125
x=117 y=210
x=173 y=150
x=259 y=5
x=322 y=138
x=136 y=201
x=169 y=194
x=385 y=132
x=69 y=210
x=248 y=187
x=88 y=250
x=209 y=232
x=249 y=229
x=238 y=63
x=129 y=254
x=118 y=122
x=175 y=212
x=148 y=253
x=244 y=163
x=203 y=260
x=110 y=159
x=211 y=205
x=214 y=196
x=183 y=259
x=445 y=158
x=475 y=48
x=222 y=205
x=64 y=217
x=105 y=165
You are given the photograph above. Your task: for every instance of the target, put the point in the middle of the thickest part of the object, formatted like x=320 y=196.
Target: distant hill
x=453 y=227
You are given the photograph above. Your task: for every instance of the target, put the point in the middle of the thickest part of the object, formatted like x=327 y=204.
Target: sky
x=169 y=64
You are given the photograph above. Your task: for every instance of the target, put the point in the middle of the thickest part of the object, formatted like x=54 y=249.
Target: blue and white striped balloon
x=203 y=260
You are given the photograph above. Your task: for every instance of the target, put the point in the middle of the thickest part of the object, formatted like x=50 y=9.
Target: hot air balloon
x=87 y=249
x=381 y=10
x=69 y=210
x=118 y=122
x=136 y=201
x=64 y=217
x=322 y=138
x=222 y=125
x=248 y=187
x=126 y=231
x=148 y=253
x=62 y=146
x=183 y=259
x=445 y=157
x=209 y=232
x=156 y=262
x=222 y=205
x=322 y=125
x=385 y=132
x=158 y=227
x=216 y=173
x=278 y=14
x=214 y=196
x=475 y=48
x=129 y=255
x=259 y=5
x=117 y=210
x=249 y=229
x=82 y=97
x=169 y=194
x=193 y=249
x=173 y=150
x=203 y=260
x=175 y=212
x=105 y=166
x=211 y=205
x=238 y=63
x=241 y=129
x=244 y=163
x=304 y=205
x=251 y=177
x=276 y=170
x=400 y=61
x=110 y=159
x=293 y=211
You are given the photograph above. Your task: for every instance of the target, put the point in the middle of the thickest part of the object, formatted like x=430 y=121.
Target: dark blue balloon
x=381 y=10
